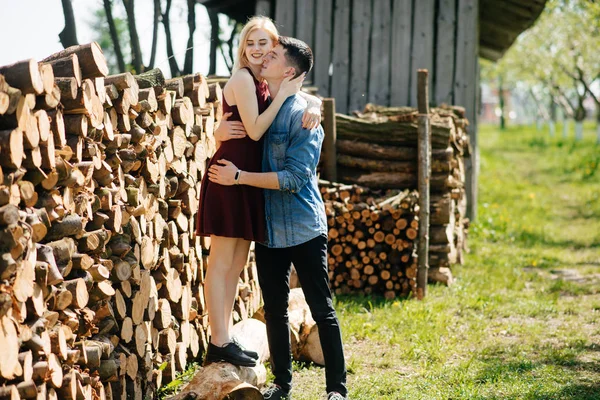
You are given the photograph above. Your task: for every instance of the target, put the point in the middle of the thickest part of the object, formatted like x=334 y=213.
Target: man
x=296 y=225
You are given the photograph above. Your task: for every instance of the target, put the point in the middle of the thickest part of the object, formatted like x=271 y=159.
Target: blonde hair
x=257 y=22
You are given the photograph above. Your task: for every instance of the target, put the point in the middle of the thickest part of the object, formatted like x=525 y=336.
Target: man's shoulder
x=295 y=105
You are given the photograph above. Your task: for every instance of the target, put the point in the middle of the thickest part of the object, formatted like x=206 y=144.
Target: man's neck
x=274 y=86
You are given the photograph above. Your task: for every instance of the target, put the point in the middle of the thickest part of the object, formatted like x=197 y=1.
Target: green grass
x=522 y=320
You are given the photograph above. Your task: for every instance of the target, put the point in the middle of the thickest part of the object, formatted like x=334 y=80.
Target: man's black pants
x=310 y=261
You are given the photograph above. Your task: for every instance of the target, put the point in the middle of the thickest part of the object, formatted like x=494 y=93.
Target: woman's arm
x=244 y=91
x=312 y=115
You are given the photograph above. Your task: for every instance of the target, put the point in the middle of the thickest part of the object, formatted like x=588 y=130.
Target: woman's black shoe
x=230 y=353
x=249 y=353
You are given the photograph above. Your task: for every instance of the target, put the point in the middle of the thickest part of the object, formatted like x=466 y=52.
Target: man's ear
x=290 y=71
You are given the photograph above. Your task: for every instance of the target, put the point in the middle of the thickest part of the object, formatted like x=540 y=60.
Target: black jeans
x=310 y=261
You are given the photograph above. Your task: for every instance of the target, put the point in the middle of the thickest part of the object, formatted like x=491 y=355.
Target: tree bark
x=166 y=23
x=154 y=34
x=68 y=36
x=136 y=51
x=213 y=16
x=114 y=35
x=188 y=64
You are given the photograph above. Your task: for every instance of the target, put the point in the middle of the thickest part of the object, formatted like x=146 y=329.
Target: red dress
x=236 y=211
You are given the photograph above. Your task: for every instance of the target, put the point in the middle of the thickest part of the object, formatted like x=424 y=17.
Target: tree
x=111 y=34
x=68 y=36
x=557 y=58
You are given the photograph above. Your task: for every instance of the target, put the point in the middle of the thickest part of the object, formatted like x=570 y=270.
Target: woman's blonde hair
x=258 y=22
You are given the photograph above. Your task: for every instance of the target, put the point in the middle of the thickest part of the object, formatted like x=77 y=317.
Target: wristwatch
x=236 y=178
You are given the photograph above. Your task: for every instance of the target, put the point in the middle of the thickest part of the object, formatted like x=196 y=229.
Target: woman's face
x=258 y=44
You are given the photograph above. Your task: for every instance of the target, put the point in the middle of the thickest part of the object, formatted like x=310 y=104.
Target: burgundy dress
x=236 y=211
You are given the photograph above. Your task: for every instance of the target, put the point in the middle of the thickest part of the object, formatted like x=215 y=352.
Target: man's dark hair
x=298 y=54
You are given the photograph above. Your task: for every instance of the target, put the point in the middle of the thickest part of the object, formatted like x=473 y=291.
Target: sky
x=30 y=28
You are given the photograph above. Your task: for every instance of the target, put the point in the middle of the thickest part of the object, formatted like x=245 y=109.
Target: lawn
x=522 y=320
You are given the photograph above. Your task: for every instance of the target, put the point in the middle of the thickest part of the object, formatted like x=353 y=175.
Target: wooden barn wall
x=369 y=51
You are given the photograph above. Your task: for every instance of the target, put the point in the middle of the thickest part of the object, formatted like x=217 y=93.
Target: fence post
x=329 y=169
x=424 y=160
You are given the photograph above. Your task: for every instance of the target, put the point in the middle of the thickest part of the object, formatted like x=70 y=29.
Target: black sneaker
x=276 y=392
x=336 y=396
x=229 y=353
x=249 y=353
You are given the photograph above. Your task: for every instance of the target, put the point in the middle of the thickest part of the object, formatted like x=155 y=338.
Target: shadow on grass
x=583 y=385
x=366 y=302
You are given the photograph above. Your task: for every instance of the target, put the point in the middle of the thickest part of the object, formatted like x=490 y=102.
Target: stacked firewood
x=371 y=239
x=101 y=273
x=378 y=149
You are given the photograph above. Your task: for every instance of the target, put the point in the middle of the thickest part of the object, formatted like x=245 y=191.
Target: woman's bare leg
x=240 y=257
x=220 y=264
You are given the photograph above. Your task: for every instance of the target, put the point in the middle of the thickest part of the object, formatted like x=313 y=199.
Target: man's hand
x=228 y=130
x=223 y=174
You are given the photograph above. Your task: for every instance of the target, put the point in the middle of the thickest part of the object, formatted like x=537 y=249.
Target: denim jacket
x=295 y=213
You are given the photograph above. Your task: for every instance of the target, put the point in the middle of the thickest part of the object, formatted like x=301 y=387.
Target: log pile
x=372 y=238
x=378 y=149
x=101 y=273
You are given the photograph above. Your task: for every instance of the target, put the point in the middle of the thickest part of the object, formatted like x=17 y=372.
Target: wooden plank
x=379 y=74
x=322 y=49
x=341 y=55
x=400 y=52
x=305 y=25
x=263 y=7
x=359 y=62
x=445 y=45
x=285 y=11
x=422 y=46
x=466 y=87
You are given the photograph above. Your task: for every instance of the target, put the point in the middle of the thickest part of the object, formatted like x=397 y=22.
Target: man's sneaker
x=230 y=353
x=276 y=392
x=335 y=396
x=249 y=353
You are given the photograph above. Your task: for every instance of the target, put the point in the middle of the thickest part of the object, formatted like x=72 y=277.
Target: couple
x=264 y=189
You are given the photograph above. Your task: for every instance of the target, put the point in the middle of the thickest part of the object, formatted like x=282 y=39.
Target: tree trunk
x=114 y=36
x=501 y=100
x=155 y=22
x=188 y=64
x=68 y=36
x=170 y=54
x=213 y=16
x=136 y=51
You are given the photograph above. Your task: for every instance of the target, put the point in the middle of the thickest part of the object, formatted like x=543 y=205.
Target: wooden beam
x=305 y=25
x=359 y=61
x=285 y=11
x=445 y=45
x=466 y=88
x=379 y=75
x=322 y=49
x=422 y=45
x=341 y=55
x=401 y=42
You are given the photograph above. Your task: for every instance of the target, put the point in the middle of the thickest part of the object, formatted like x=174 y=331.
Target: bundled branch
x=378 y=149
x=371 y=239
x=101 y=290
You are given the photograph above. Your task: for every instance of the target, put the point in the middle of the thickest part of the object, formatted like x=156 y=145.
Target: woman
x=233 y=216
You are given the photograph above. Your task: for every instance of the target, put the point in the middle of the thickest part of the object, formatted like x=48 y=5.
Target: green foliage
x=557 y=58
x=179 y=382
